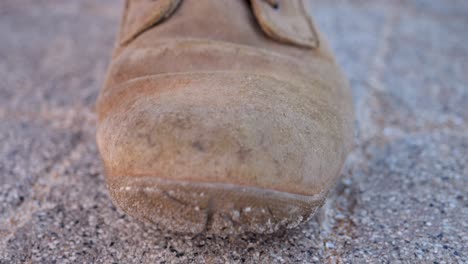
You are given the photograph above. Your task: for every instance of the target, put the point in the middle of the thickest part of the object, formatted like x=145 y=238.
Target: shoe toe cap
x=243 y=130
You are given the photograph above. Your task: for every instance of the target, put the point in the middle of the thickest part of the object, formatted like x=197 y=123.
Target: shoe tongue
x=286 y=21
x=139 y=15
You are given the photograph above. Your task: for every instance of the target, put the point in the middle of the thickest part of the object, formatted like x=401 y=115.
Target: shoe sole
x=188 y=207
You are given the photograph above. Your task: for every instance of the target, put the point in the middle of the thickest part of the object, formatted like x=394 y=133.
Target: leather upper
x=286 y=21
x=283 y=20
x=223 y=91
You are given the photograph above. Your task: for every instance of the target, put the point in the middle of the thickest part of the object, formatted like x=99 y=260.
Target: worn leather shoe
x=222 y=116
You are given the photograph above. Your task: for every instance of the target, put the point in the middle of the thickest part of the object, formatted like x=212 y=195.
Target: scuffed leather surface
x=206 y=96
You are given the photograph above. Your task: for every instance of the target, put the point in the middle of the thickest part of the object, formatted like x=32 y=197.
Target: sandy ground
x=404 y=195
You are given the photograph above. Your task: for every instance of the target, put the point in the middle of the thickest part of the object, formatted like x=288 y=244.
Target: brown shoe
x=222 y=116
